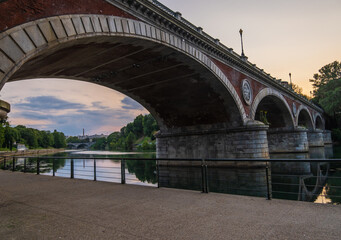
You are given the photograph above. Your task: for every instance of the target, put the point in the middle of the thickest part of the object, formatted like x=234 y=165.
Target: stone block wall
x=316 y=139
x=245 y=143
x=327 y=137
x=288 y=141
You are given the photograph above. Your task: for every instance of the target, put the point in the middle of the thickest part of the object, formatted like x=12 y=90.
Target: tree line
x=32 y=138
x=138 y=135
x=327 y=94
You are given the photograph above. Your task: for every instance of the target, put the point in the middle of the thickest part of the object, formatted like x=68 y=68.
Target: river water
x=314 y=182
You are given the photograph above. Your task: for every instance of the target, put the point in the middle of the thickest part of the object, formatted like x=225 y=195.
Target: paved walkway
x=43 y=207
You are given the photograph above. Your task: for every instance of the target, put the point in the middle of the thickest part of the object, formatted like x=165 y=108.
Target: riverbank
x=43 y=207
x=29 y=152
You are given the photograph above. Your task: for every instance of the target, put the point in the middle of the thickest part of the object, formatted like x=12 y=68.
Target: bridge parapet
x=161 y=14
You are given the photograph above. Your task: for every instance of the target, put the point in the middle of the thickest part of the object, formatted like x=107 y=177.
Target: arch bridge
x=208 y=100
x=80 y=145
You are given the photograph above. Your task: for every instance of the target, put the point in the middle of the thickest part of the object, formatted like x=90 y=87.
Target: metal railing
x=300 y=179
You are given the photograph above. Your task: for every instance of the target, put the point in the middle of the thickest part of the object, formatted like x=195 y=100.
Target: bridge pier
x=316 y=138
x=245 y=142
x=327 y=137
x=5 y=108
x=286 y=141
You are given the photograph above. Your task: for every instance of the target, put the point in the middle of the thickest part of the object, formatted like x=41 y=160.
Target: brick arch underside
x=271 y=103
x=177 y=83
x=319 y=123
x=304 y=118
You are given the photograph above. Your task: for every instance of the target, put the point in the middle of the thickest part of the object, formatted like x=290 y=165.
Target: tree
x=59 y=139
x=331 y=100
x=149 y=126
x=327 y=73
x=100 y=143
x=11 y=135
x=327 y=91
x=130 y=141
x=299 y=90
x=138 y=126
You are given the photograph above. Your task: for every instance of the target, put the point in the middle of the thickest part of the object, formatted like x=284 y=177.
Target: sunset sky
x=282 y=37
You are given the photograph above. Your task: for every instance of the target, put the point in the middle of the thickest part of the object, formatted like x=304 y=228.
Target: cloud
x=131 y=104
x=68 y=106
x=50 y=112
x=99 y=105
x=48 y=103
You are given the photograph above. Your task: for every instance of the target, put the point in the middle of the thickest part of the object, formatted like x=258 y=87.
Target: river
x=319 y=183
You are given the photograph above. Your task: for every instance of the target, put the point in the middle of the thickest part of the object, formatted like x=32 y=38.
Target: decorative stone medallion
x=247 y=92
x=294 y=109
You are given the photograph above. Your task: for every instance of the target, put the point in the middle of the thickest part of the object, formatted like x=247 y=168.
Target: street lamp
x=241 y=39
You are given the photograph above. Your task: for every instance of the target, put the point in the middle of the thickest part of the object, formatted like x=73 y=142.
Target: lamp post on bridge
x=290 y=80
x=243 y=57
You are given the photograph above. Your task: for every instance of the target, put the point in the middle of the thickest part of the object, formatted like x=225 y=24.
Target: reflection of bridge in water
x=295 y=180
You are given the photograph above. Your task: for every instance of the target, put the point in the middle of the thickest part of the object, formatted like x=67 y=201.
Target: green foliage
x=299 y=91
x=327 y=87
x=73 y=139
x=59 y=139
x=327 y=73
x=327 y=91
x=144 y=170
x=331 y=100
x=143 y=127
x=336 y=135
x=100 y=144
x=263 y=118
x=32 y=138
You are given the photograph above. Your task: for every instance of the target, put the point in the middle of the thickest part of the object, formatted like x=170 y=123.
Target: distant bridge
x=206 y=98
x=80 y=145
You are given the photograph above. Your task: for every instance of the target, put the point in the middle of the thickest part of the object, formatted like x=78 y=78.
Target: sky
x=281 y=37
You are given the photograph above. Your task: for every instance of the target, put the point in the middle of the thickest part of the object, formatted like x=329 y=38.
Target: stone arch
x=23 y=43
x=304 y=118
x=278 y=100
x=318 y=122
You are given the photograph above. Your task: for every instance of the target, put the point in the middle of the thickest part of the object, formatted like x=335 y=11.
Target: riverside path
x=41 y=207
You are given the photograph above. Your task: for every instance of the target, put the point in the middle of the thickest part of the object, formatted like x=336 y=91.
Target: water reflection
x=222 y=178
x=317 y=182
x=136 y=172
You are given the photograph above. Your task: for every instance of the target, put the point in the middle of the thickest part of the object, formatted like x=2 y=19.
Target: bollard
x=24 y=165
x=123 y=171
x=5 y=163
x=13 y=164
